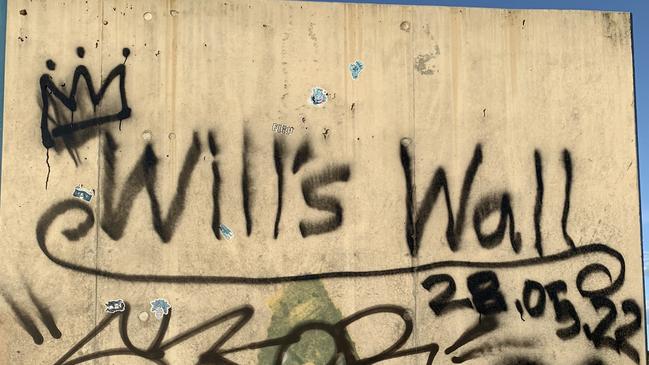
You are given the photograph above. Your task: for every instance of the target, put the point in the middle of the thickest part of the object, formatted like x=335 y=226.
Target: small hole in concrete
x=148 y=16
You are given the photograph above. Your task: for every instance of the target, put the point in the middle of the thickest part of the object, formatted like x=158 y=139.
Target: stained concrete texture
x=260 y=182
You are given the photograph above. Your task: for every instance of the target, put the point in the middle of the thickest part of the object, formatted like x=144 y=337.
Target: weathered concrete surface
x=521 y=121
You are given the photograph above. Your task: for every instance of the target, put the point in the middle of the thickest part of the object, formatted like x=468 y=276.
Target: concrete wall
x=409 y=184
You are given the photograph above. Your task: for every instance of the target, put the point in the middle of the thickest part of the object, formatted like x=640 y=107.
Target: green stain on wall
x=296 y=304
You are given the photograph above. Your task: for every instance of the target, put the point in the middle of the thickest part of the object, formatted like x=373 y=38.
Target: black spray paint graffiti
x=55 y=106
x=238 y=318
x=216 y=186
x=144 y=175
x=416 y=219
x=49 y=88
x=156 y=351
x=83 y=228
x=488 y=299
x=27 y=323
x=325 y=203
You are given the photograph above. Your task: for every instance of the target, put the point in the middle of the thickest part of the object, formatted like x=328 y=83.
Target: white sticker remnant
x=282 y=129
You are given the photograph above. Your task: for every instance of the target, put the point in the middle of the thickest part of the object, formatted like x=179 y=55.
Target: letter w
x=143 y=175
x=415 y=223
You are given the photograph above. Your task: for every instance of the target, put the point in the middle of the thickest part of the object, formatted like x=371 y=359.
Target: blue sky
x=640 y=17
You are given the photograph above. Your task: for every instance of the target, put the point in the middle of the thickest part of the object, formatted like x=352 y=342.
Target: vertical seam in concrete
x=346 y=45
x=413 y=123
x=172 y=65
x=97 y=199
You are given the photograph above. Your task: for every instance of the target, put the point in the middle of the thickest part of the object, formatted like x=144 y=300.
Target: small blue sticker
x=114 y=306
x=83 y=193
x=356 y=68
x=318 y=96
x=226 y=231
x=160 y=307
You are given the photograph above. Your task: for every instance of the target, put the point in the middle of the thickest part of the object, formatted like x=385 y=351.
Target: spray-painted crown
x=50 y=93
